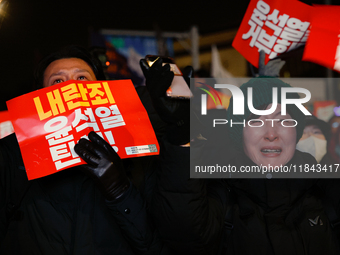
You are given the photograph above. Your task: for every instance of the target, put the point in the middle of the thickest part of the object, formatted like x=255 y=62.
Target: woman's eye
x=287 y=123
x=256 y=122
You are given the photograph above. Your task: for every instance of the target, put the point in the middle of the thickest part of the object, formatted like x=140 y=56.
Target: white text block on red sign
x=274 y=26
x=50 y=121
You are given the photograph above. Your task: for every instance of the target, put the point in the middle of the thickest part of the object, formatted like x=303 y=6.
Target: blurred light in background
x=3 y=10
x=3 y=7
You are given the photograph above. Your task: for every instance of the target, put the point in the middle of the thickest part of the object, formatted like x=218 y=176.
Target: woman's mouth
x=271 y=152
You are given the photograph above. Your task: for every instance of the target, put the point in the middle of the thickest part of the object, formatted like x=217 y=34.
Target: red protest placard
x=324 y=110
x=49 y=122
x=6 y=127
x=323 y=45
x=274 y=26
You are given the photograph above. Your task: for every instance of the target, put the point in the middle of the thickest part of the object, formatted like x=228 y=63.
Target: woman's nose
x=271 y=133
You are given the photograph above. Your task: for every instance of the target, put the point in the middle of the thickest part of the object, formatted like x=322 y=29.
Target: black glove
x=175 y=112
x=272 y=68
x=104 y=165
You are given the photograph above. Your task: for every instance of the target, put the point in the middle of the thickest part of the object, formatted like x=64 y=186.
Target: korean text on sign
x=55 y=118
x=271 y=27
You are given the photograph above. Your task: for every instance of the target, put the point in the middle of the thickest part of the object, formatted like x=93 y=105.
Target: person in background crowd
x=315 y=140
x=244 y=216
x=334 y=122
x=334 y=146
x=89 y=209
x=334 y=143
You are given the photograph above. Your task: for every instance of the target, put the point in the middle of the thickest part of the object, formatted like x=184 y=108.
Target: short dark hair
x=71 y=51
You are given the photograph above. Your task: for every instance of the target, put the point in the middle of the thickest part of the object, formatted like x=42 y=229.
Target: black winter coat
x=246 y=216
x=65 y=213
x=278 y=216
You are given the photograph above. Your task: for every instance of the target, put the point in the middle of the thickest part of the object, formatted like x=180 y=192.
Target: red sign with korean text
x=323 y=45
x=6 y=127
x=274 y=26
x=49 y=122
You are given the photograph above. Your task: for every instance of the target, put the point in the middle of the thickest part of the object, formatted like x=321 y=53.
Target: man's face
x=272 y=143
x=65 y=69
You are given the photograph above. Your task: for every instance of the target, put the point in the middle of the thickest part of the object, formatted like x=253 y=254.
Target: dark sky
x=35 y=28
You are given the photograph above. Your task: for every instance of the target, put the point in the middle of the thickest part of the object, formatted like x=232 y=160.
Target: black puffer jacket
x=65 y=213
x=246 y=216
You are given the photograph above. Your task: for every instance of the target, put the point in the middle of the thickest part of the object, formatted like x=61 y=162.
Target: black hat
x=324 y=126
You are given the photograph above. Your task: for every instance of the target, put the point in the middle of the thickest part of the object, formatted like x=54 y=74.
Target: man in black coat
x=89 y=209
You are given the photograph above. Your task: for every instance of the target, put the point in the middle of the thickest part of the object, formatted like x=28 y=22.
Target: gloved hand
x=272 y=68
x=175 y=112
x=103 y=165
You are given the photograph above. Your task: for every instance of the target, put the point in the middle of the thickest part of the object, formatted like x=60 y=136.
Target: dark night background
x=32 y=29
